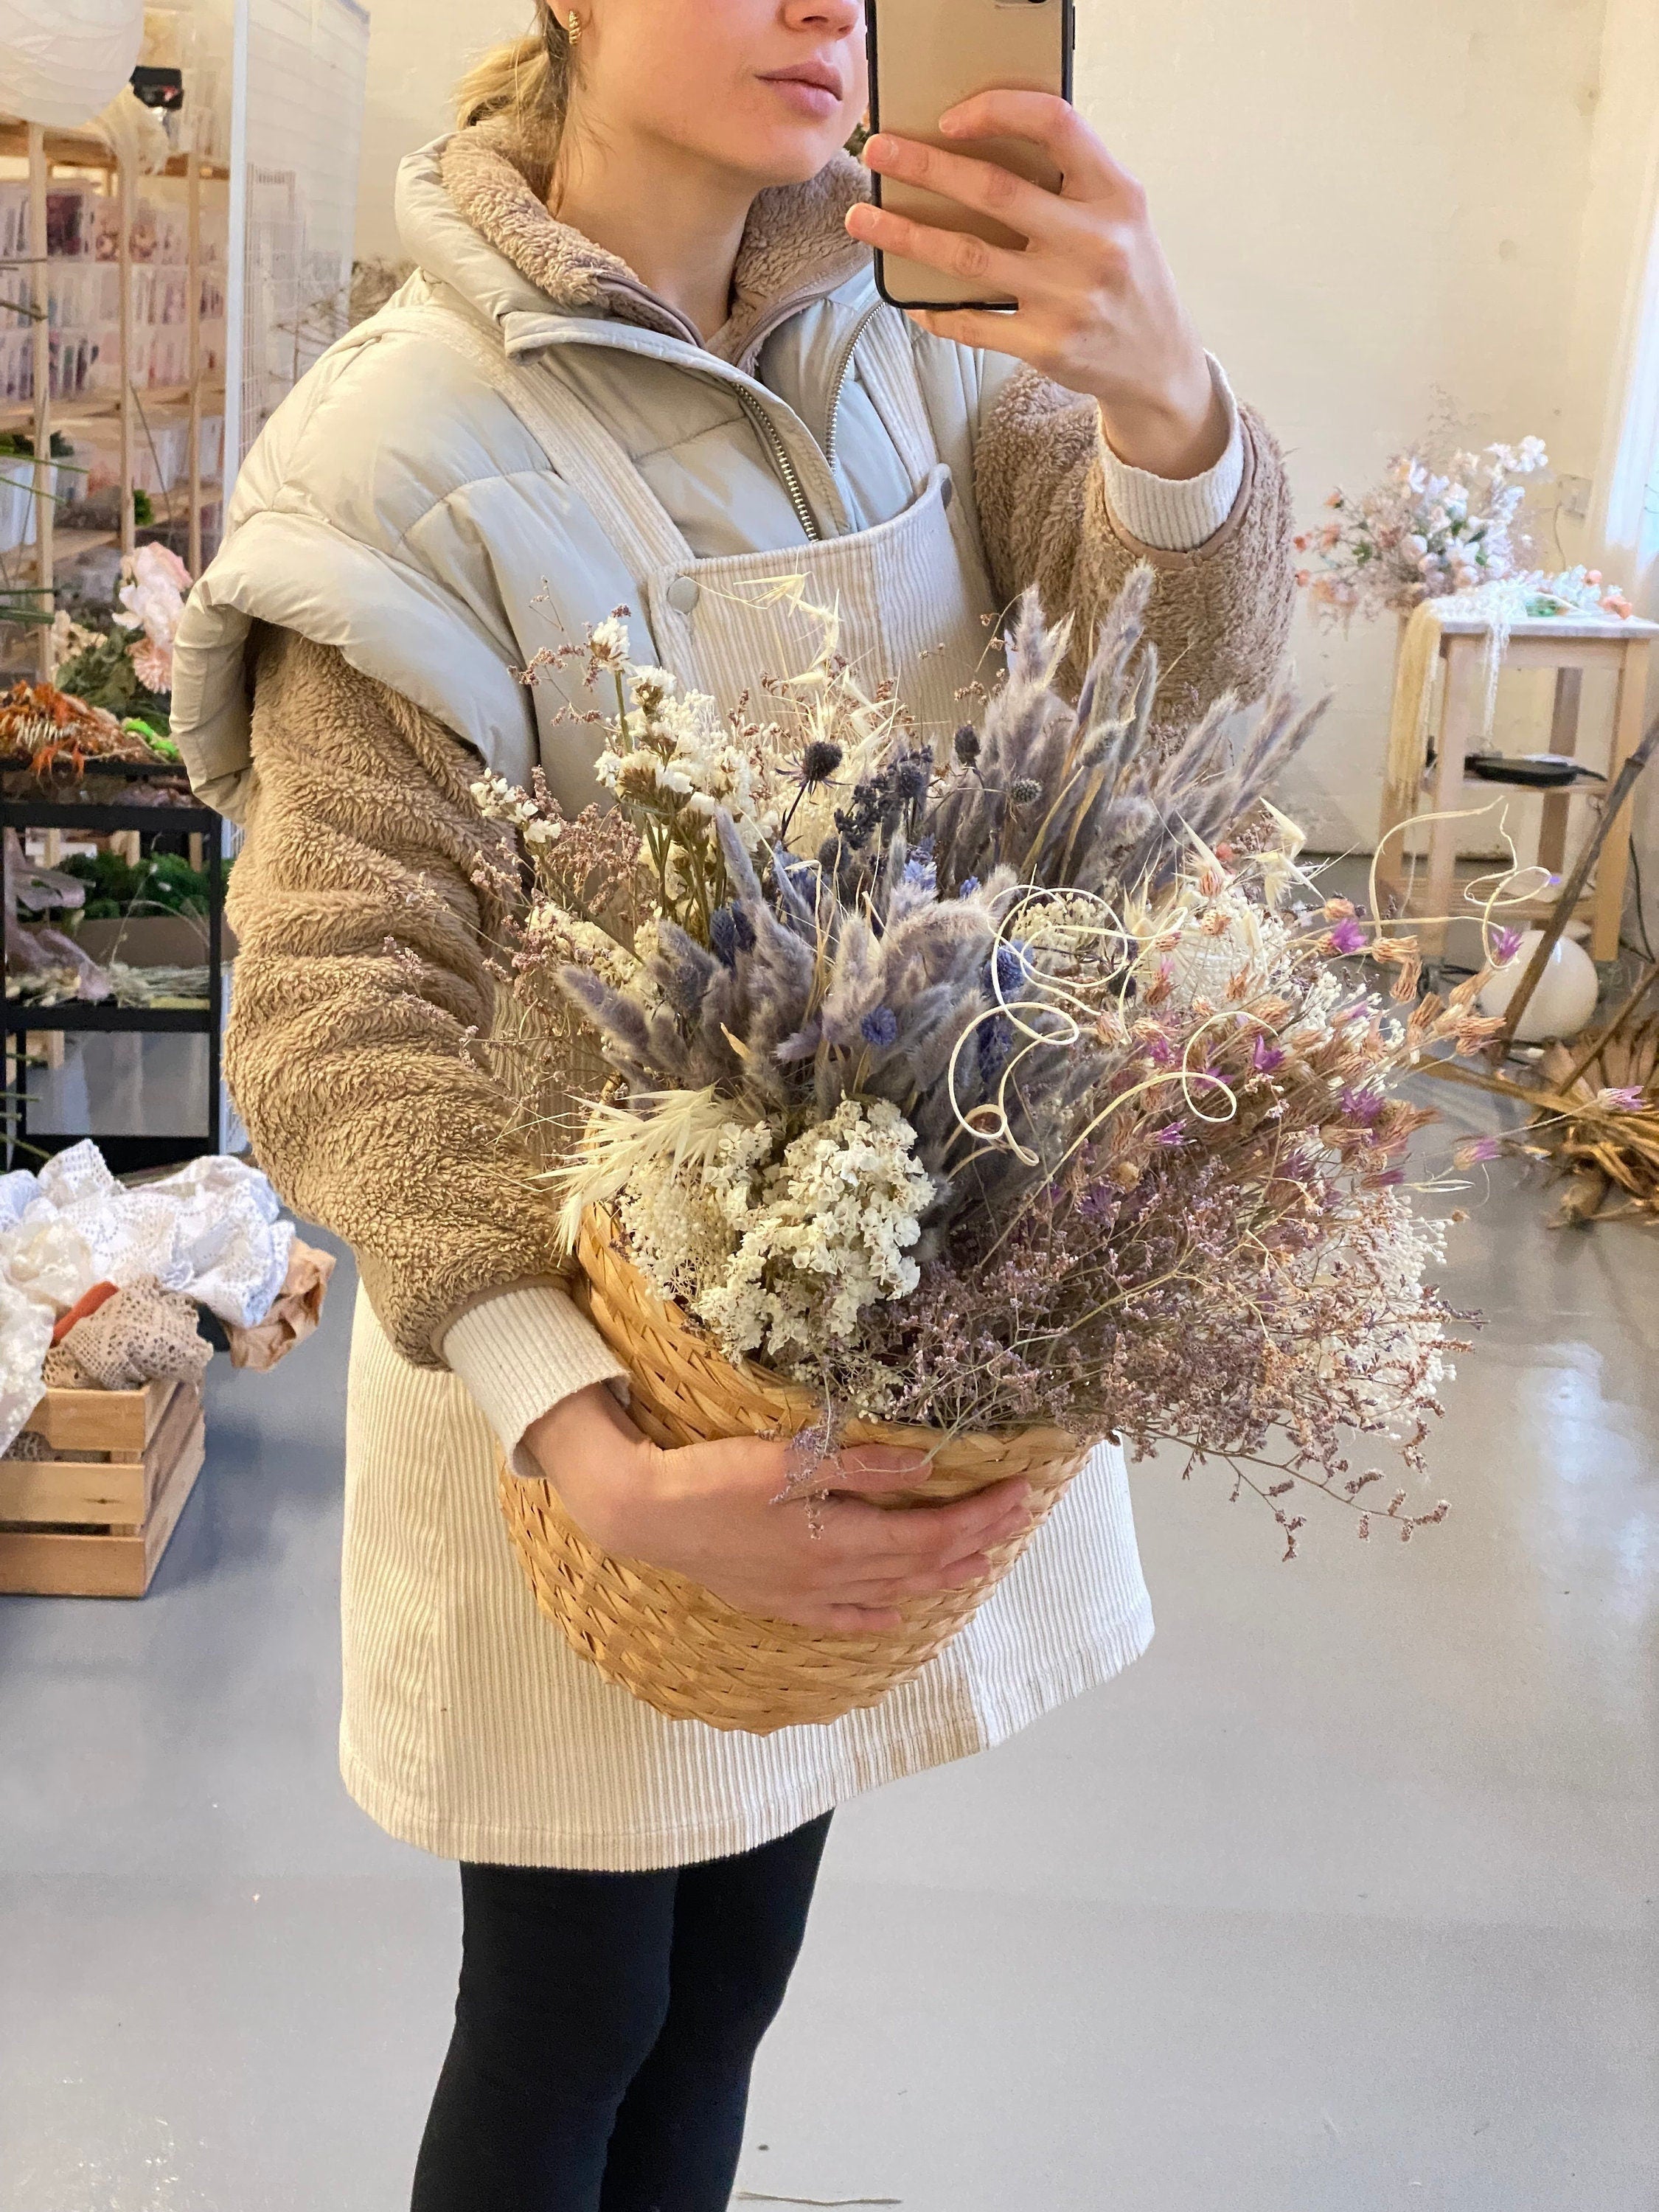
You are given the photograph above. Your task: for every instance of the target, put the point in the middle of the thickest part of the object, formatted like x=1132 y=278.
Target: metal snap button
x=683 y=593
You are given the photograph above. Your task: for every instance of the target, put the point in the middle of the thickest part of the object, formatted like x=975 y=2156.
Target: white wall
x=417 y=49
x=1368 y=205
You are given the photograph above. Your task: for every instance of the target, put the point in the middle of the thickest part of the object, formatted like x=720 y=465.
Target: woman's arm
x=1053 y=499
x=359 y=976
x=1118 y=439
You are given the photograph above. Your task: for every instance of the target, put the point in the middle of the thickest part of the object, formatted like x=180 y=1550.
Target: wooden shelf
x=85 y=150
x=105 y=406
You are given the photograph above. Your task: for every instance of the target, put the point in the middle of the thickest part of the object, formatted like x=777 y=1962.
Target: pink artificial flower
x=153 y=666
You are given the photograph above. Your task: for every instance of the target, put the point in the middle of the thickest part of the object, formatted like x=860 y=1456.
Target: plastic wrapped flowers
x=1031 y=1086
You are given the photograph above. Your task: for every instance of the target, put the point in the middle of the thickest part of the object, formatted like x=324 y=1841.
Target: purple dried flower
x=879 y=1028
x=819 y=762
x=1266 y=1057
x=1505 y=945
x=1172 y=1133
x=1364 y=1107
x=1348 y=936
x=730 y=933
x=1622 y=1098
x=911 y=777
x=1478 y=1149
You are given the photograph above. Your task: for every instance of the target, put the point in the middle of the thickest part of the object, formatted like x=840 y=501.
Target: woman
x=643 y=363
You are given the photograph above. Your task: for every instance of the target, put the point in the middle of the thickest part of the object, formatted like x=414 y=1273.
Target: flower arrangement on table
x=1424 y=534
x=997 y=1095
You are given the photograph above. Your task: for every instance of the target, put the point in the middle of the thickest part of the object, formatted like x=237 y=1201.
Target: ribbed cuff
x=520 y=1352
x=1178 y=515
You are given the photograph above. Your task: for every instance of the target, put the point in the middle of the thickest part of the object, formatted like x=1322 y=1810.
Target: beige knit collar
x=795 y=247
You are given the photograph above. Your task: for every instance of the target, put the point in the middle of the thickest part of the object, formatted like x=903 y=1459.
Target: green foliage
x=162 y=883
x=18 y=445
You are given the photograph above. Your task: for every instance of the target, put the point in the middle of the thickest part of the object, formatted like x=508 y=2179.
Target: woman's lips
x=812 y=92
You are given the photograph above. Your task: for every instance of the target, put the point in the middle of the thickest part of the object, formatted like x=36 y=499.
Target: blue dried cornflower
x=967 y=887
x=920 y=871
x=880 y=1029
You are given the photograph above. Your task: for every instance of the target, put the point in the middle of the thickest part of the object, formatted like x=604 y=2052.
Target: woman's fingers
x=992 y=268
x=924 y=1537
x=1081 y=154
x=983 y=186
x=970 y=326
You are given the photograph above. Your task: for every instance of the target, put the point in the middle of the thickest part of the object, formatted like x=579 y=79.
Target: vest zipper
x=772 y=438
x=839 y=378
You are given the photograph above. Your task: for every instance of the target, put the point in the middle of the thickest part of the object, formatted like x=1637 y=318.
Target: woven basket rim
x=855 y=1428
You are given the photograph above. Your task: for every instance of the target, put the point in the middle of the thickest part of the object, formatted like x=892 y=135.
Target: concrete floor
x=1341 y=1900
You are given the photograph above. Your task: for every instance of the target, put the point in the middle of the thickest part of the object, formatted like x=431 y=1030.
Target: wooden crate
x=97 y=1526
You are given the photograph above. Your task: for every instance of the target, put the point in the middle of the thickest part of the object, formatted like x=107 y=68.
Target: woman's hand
x=710 y=1512
x=1097 y=311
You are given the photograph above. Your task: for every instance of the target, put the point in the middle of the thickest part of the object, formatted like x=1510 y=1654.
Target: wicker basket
x=680 y=1647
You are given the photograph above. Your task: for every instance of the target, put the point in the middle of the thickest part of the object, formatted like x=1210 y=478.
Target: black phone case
x=1068 y=26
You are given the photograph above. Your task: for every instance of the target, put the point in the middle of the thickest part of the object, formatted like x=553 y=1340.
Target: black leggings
x=605 y=2029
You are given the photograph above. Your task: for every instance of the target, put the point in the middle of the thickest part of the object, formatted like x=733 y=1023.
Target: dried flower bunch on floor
x=997 y=1086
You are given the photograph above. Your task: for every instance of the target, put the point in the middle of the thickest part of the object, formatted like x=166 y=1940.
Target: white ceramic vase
x=1566 y=994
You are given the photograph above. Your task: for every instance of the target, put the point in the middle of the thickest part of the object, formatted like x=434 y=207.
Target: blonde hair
x=523 y=87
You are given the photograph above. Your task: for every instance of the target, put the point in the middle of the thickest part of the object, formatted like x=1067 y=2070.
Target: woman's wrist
x=1178 y=431
x=603 y=1468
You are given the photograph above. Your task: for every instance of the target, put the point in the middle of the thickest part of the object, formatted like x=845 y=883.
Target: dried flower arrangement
x=1426 y=533
x=999 y=1090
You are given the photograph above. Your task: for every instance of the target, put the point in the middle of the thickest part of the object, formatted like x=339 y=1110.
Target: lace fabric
x=212 y=1232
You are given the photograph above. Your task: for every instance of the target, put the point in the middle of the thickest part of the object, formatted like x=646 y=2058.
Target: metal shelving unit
x=98 y=818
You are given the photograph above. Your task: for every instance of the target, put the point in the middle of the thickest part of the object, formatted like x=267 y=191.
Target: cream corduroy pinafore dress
x=469 y=1728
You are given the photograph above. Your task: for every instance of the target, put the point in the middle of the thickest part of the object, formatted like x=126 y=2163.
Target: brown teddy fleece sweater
x=357 y=1047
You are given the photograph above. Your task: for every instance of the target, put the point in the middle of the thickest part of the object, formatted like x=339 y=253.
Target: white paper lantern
x=63 y=60
x=1566 y=994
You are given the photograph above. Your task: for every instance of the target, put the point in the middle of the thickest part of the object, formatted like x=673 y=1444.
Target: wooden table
x=1568 y=645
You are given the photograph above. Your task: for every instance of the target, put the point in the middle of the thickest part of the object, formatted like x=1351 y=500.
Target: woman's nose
x=837 y=17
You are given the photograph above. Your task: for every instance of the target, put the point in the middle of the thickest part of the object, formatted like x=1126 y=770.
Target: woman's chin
x=786 y=154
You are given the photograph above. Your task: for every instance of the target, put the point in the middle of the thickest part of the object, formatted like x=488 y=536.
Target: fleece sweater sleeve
x=1058 y=509
x=357 y=1045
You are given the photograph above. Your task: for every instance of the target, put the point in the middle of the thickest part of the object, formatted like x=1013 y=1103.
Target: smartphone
x=925 y=57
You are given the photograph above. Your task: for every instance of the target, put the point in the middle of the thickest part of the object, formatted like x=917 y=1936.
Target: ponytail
x=525 y=88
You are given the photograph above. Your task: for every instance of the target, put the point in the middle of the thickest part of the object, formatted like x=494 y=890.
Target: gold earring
x=573 y=27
